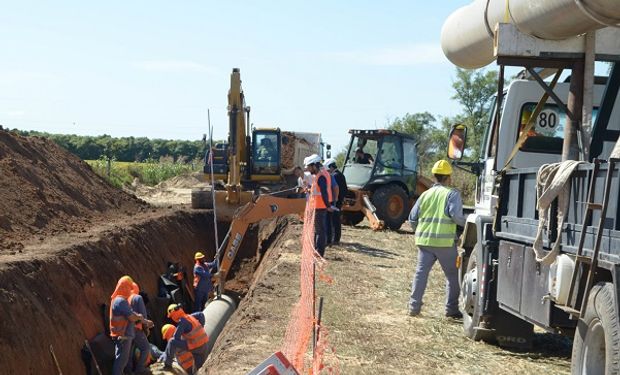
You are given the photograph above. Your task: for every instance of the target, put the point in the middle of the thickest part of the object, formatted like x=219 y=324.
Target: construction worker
x=202 y=281
x=184 y=357
x=122 y=329
x=334 y=226
x=434 y=218
x=136 y=302
x=320 y=199
x=189 y=335
x=362 y=157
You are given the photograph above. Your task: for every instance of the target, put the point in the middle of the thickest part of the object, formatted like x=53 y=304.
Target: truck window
x=547 y=135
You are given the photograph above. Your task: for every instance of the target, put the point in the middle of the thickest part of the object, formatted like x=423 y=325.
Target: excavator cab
x=381 y=165
x=266 y=154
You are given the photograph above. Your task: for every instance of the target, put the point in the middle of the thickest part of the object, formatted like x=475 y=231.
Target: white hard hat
x=329 y=162
x=314 y=158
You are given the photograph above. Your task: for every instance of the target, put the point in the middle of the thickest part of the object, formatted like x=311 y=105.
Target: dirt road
x=366 y=314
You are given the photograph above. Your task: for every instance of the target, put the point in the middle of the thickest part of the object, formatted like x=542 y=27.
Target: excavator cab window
x=266 y=152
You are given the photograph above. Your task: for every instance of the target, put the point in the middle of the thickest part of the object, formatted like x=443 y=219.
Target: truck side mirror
x=456 y=142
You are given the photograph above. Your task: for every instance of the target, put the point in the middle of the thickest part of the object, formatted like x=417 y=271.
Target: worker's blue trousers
x=122 y=351
x=426 y=258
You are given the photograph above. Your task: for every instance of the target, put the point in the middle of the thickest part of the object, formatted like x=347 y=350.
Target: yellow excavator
x=245 y=164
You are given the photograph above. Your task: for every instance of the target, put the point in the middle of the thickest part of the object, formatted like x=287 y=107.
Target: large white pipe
x=466 y=36
x=217 y=312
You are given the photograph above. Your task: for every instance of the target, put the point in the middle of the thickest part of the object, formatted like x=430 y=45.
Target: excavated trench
x=54 y=301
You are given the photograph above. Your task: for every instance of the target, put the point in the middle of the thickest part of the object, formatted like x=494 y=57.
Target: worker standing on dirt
x=202 y=281
x=122 y=329
x=320 y=199
x=184 y=357
x=334 y=226
x=189 y=335
x=136 y=302
x=434 y=218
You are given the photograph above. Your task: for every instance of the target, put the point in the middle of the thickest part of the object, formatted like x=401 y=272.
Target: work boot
x=455 y=315
x=414 y=312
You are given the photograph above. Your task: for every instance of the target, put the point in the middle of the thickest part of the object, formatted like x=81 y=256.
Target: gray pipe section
x=466 y=36
x=217 y=312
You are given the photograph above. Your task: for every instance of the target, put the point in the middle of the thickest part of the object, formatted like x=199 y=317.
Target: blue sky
x=152 y=68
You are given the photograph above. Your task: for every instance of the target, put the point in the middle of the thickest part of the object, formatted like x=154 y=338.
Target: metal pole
x=313 y=308
x=570 y=148
x=588 y=95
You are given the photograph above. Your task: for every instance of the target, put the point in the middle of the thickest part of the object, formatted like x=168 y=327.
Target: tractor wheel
x=391 y=202
x=352 y=218
x=202 y=198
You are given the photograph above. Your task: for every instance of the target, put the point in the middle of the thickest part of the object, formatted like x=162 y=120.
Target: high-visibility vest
x=435 y=228
x=185 y=359
x=138 y=325
x=315 y=193
x=118 y=323
x=197 y=336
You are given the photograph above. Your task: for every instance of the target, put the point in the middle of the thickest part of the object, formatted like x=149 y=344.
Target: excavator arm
x=264 y=207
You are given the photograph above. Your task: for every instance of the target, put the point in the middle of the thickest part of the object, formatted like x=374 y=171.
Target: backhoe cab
x=381 y=168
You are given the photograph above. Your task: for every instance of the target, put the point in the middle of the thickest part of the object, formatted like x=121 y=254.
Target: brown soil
x=45 y=190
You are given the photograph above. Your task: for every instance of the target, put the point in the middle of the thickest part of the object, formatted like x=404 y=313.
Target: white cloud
x=173 y=66
x=406 y=55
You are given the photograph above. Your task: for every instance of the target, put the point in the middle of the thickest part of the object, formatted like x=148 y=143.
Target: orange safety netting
x=303 y=323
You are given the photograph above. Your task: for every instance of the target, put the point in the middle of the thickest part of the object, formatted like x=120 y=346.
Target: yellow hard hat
x=167 y=331
x=172 y=308
x=198 y=255
x=442 y=167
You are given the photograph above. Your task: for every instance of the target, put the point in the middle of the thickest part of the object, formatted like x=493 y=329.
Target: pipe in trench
x=217 y=312
x=466 y=36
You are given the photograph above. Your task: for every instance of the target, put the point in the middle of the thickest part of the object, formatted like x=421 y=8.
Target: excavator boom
x=264 y=207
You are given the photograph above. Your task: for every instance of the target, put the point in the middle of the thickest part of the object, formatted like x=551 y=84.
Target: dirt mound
x=175 y=191
x=45 y=190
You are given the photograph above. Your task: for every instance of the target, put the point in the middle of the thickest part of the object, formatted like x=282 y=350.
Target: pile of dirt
x=175 y=191
x=46 y=190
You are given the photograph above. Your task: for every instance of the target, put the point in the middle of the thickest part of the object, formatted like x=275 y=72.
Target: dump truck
x=543 y=245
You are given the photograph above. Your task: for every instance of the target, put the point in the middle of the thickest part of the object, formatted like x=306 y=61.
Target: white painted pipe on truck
x=467 y=34
x=217 y=312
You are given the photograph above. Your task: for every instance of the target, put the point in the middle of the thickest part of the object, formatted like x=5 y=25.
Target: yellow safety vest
x=435 y=228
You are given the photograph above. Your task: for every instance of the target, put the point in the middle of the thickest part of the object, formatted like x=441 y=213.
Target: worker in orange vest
x=122 y=319
x=320 y=199
x=189 y=335
x=202 y=280
x=184 y=357
x=136 y=302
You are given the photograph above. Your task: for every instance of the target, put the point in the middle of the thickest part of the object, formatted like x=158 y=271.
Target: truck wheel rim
x=469 y=291
x=594 y=349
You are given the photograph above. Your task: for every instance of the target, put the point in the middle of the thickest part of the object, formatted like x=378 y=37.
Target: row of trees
x=128 y=149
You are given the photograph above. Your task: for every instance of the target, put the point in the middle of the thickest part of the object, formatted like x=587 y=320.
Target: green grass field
x=120 y=173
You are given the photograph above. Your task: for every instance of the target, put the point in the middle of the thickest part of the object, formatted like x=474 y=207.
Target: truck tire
x=202 y=198
x=469 y=301
x=352 y=218
x=391 y=202
x=596 y=346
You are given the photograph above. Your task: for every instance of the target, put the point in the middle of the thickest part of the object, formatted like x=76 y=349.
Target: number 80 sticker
x=547 y=119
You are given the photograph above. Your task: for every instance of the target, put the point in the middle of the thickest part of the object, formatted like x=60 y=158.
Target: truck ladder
x=591 y=262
